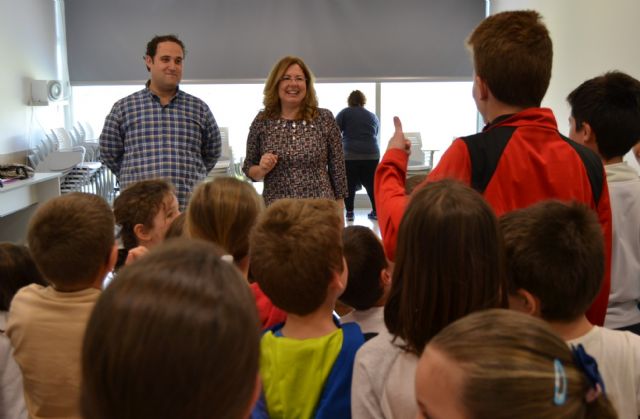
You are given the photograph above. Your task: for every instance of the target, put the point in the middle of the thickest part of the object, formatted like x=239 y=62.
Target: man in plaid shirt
x=161 y=131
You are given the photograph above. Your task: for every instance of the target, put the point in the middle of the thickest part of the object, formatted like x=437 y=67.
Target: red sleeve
x=598 y=309
x=390 y=196
x=454 y=164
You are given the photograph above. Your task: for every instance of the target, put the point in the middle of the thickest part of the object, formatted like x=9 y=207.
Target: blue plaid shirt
x=143 y=139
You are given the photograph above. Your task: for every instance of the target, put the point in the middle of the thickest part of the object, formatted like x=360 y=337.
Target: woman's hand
x=267 y=162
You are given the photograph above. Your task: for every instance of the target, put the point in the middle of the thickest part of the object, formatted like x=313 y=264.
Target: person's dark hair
x=610 y=104
x=177 y=227
x=365 y=259
x=449 y=262
x=152 y=46
x=513 y=53
x=357 y=98
x=412 y=182
x=175 y=335
x=17 y=270
x=139 y=203
x=71 y=238
x=509 y=368
x=295 y=249
x=555 y=251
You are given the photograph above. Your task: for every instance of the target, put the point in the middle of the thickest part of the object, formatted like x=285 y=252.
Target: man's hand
x=398 y=140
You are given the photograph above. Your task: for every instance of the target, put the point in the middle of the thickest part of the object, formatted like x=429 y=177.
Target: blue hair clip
x=560 y=383
x=589 y=367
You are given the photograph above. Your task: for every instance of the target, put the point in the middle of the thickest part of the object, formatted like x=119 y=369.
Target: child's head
x=555 y=252
x=17 y=270
x=605 y=114
x=512 y=53
x=176 y=229
x=449 y=262
x=296 y=252
x=144 y=211
x=500 y=364
x=71 y=239
x=175 y=335
x=369 y=277
x=224 y=211
x=412 y=182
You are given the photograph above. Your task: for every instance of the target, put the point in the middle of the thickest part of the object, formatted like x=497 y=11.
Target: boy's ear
x=525 y=302
x=483 y=88
x=141 y=232
x=385 y=278
x=340 y=279
x=587 y=134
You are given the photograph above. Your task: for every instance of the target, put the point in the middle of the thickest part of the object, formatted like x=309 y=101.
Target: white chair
x=416 y=158
x=420 y=160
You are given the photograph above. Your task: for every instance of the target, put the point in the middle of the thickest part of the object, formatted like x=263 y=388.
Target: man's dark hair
x=152 y=46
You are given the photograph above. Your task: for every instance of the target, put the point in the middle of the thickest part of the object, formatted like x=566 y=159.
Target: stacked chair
x=77 y=156
x=420 y=160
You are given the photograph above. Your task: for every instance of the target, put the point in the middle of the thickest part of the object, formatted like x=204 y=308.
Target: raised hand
x=398 y=140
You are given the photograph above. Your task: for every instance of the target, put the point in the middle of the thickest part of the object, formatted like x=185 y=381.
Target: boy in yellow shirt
x=305 y=363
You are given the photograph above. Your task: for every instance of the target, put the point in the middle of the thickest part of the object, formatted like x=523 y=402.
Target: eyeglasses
x=297 y=79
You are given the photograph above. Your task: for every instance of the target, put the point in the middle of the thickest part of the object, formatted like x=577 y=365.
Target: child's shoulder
x=29 y=292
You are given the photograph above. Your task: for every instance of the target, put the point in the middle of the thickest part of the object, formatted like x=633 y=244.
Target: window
x=440 y=111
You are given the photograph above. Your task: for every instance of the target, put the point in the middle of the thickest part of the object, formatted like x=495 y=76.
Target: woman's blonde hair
x=224 y=211
x=272 y=106
x=510 y=366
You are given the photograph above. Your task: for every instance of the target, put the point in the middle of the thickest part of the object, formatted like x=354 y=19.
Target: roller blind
x=242 y=39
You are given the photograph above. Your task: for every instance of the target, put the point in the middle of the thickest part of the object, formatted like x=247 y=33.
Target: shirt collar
x=156 y=97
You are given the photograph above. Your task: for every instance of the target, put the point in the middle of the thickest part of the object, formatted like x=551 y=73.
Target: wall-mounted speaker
x=44 y=92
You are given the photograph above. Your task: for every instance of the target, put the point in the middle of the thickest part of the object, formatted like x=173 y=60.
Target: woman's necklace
x=294 y=127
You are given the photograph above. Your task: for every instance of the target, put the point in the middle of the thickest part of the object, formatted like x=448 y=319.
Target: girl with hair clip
x=449 y=263
x=224 y=211
x=499 y=364
x=174 y=336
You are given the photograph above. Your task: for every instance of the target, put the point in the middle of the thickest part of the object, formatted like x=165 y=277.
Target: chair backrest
x=225 y=152
x=65 y=141
x=416 y=158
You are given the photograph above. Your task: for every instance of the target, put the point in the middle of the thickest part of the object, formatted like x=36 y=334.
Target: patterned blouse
x=310 y=157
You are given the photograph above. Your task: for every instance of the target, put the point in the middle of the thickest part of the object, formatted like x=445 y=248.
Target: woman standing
x=360 y=140
x=292 y=144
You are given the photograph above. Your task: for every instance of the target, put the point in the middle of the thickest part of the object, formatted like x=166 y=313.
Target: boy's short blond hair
x=71 y=237
x=295 y=250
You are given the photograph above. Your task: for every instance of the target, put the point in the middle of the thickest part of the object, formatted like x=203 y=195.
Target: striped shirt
x=142 y=139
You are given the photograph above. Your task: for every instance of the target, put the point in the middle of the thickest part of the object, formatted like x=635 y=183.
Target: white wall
x=28 y=45
x=590 y=37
